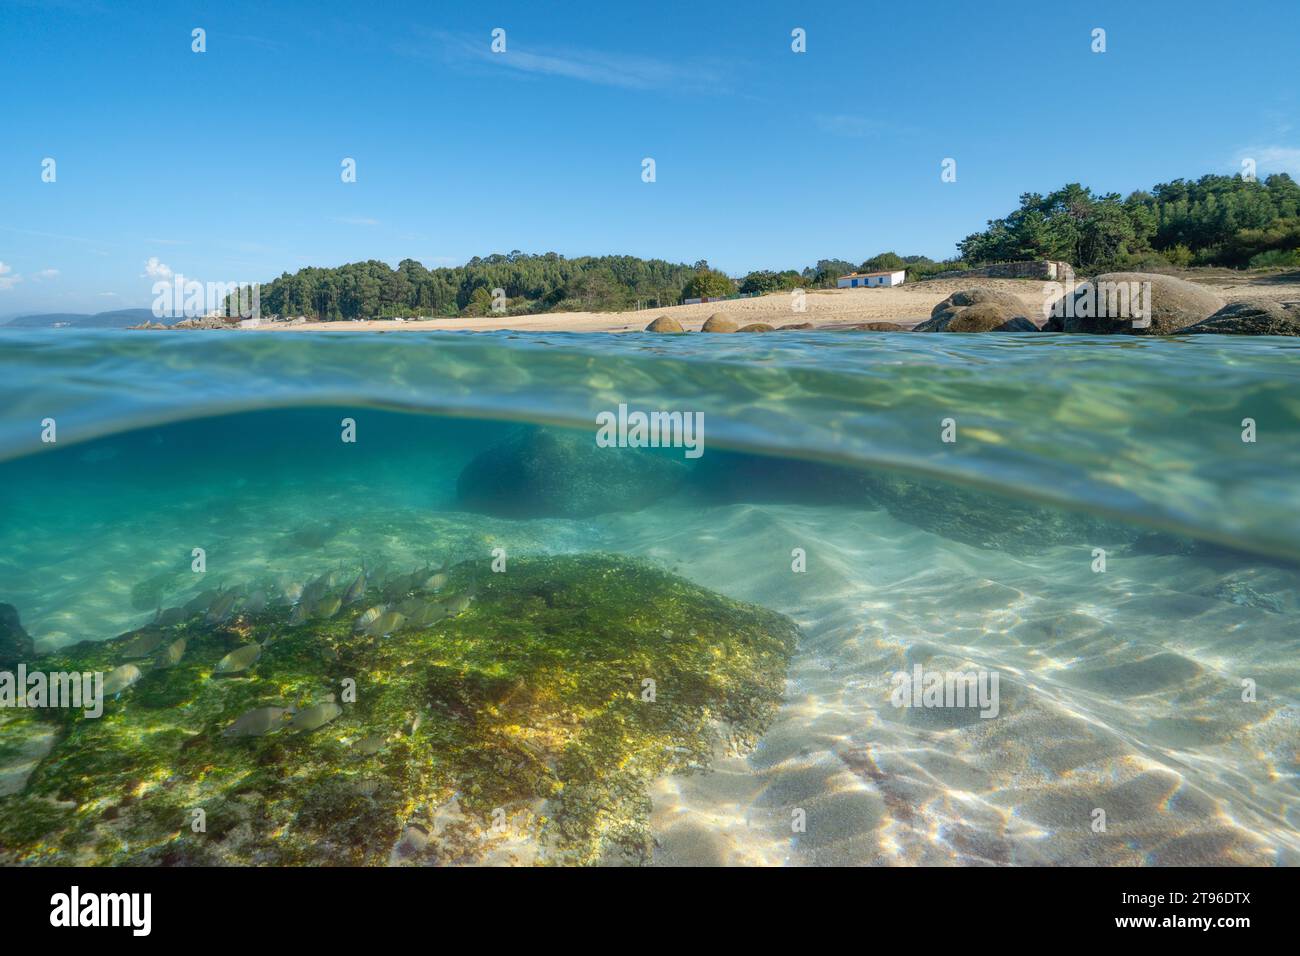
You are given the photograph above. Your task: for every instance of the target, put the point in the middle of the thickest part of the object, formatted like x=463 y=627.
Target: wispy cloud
x=356 y=220
x=8 y=278
x=602 y=67
x=1271 y=159
x=857 y=127
x=45 y=275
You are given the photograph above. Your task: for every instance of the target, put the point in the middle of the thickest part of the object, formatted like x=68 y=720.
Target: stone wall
x=1042 y=269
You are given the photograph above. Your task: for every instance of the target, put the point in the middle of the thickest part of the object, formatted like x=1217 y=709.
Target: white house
x=860 y=280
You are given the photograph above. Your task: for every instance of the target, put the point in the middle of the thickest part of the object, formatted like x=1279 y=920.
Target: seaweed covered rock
x=718 y=322
x=878 y=327
x=15 y=644
x=515 y=717
x=665 y=323
x=1105 y=304
x=550 y=472
x=756 y=327
x=1249 y=317
x=978 y=310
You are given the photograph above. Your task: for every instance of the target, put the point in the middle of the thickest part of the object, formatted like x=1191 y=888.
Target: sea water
x=1104 y=529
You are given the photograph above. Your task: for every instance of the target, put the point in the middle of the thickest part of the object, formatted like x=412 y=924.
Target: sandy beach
x=906 y=305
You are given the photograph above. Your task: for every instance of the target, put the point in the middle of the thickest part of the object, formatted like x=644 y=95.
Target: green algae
x=524 y=729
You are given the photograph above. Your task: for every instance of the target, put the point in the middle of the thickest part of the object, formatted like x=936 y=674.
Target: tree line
x=1216 y=220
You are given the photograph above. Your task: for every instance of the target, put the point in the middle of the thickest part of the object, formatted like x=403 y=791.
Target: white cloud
x=1271 y=159
x=46 y=275
x=8 y=279
x=157 y=270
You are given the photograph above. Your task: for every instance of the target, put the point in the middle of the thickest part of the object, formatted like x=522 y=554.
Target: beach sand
x=906 y=305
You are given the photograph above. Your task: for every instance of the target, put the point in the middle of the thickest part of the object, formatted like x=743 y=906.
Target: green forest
x=1214 y=221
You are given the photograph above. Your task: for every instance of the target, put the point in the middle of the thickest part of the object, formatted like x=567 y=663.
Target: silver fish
x=367 y=618
x=239 y=660
x=356 y=590
x=258 y=722
x=256 y=602
x=298 y=614
x=315 y=590
x=435 y=582
x=370 y=745
x=221 y=607
x=120 y=678
x=171 y=655
x=142 y=645
x=317 y=715
x=326 y=607
x=200 y=602
x=386 y=623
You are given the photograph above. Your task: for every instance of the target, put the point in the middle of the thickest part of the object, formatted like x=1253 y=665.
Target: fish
x=317 y=715
x=200 y=602
x=299 y=614
x=143 y=644
x=327 y=607
x=366 y=618
x=357 y=589
x=171 y=655
x=239 y=660
x=256 y=602
x=315 y=590
x=436 y=581
x=386 y=623
x=370 y=745
x=258 y=722
x=220 y=608
x=457 y=604
x=121 y=678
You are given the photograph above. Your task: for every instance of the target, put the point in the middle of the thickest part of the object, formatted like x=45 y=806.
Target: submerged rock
x=15 y=644
x=756 y=327
x=548 y=472
x=878 y=327
x=553 y=702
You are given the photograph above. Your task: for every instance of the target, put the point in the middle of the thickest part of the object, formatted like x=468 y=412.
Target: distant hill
x=118 y=319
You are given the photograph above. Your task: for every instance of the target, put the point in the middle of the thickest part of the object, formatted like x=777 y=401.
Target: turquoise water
x=1121 y=689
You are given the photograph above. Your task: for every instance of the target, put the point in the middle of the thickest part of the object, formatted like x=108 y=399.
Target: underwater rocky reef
x=440 y=716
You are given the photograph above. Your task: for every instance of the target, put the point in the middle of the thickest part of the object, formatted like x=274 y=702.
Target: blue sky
x=224 y=166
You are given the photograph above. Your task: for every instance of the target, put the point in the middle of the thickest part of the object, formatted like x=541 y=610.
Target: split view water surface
x=382 y=598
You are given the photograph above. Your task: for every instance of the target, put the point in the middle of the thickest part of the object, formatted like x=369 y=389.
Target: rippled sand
x=1119 y=691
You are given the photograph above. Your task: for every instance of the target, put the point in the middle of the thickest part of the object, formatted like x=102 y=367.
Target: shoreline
x=825 y=309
